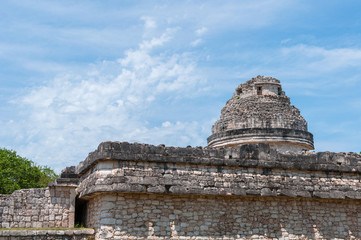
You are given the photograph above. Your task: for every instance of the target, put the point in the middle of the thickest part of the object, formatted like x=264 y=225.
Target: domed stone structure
x=259 y=112
x=139 y=191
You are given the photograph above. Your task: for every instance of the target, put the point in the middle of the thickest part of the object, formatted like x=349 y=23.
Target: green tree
x=18 y=173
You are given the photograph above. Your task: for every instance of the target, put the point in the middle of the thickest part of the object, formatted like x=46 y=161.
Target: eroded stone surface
x=155 y=216
x=246 y=170
x=257 y=107
x=38 y=208
x=68 y=234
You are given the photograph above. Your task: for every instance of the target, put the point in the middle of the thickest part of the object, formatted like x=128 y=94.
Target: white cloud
x=321 y=59
x=287 y=40
x=122 y=99
x=149 y=22
x=166 y=124
x=201 y=31
x=158 y=41
x=70 y=115
x=309 y=70
x=196 y=42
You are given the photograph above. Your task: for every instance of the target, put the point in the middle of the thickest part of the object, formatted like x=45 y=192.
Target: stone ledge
x=40 y=232
x=252 y=155
x=303 y=136
x=179 y=190
x=151 y=177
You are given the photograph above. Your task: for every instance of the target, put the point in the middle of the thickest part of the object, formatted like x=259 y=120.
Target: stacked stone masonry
x=69 y=234
x=247 y=109
x=156 y=216
x=260 y=112
x=246 y=170
x=38 y=208
x=140 y=191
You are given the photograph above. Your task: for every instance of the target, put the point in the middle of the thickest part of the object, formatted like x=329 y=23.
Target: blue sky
x=76 y=73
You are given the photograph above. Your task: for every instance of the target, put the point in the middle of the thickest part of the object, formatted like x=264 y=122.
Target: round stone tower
x=259 y=112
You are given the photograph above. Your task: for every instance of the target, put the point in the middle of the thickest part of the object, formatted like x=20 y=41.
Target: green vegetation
x=18 y=173
x=79 y=225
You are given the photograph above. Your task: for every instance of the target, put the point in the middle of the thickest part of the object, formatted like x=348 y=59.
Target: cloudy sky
x=76 y=73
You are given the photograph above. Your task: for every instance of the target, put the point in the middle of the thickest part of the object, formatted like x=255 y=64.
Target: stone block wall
x=171 y=178
x=69 y=234
x=253 y=155
x=139 y=191
x=254 y=171
x=160 y=216
x=38 y=208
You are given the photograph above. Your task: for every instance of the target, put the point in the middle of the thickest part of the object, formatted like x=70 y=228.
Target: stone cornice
x=257 y=155
x=265 y=135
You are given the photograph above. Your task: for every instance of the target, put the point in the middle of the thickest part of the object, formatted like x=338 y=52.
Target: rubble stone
x=259 y=111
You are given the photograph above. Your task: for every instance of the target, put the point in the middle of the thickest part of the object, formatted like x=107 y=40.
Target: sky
x=76 y=73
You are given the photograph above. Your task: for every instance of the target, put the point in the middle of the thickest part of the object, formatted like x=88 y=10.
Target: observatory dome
x=260 y=112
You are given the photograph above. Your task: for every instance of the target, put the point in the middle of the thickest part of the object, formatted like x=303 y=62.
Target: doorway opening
x=259 y=90
x=81 y=209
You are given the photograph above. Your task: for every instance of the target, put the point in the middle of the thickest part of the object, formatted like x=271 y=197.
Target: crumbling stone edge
x=252 y=155
x=76 y=234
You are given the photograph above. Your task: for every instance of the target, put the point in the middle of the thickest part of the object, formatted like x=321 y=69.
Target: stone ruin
x=256 y=179
x=259 y=111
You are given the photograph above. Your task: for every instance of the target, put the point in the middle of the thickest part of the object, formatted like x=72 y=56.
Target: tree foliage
x=18 y=173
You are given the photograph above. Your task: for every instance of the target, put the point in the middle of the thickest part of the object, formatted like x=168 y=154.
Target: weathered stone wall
x=95 y=211
x=255 y=155
x=247 y=170
x=281 y=139
x=138 y=191
x=265 y=111
x=260 y=112
x=172 y=178
x=38 y=208
x=69 y=234
x=270 y=86
x=156 y=216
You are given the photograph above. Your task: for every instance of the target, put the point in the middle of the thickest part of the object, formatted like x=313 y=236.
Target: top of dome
x=259 y=105
x=264 y=79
